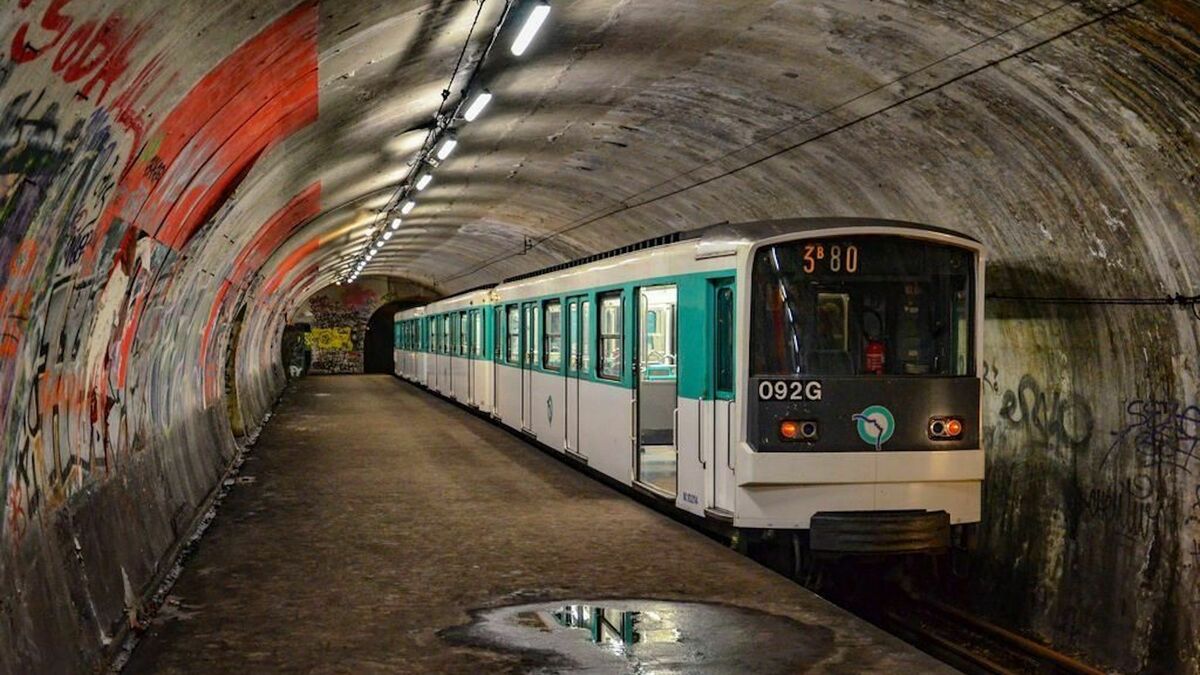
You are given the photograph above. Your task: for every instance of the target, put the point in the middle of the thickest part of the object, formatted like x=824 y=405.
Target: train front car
x=862 y=401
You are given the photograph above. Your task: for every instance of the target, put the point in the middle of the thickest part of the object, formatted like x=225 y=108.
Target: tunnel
x=205 y=204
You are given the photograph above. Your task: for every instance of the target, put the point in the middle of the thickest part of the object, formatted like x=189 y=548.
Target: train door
x=722 y=377
x=528 y=358
x=655 y=374
x=574 y=364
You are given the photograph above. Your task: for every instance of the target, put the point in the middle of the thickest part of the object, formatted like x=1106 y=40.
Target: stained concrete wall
x=166 y=166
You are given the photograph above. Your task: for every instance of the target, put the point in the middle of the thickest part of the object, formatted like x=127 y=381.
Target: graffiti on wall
x=342 y=308
x=1079 y=492
x=1158 y=433
x=1044 y=420
x=100 y=191
x=333 y=339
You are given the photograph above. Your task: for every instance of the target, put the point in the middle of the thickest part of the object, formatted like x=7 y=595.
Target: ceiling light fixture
x=396 y=222
x=447 y=147
x=481 y=100
x=387 y=235
x=423 y=181
x=408 y=207
x=533 y=22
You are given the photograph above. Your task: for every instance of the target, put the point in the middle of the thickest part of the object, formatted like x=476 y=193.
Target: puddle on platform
x=648 y=636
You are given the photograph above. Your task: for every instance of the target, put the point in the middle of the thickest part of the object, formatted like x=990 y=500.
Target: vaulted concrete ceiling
x=1027 y=124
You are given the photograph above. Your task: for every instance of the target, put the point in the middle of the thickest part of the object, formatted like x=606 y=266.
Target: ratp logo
x=875 y=425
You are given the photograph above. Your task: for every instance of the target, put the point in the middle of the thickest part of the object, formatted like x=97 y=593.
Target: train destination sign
x=824 y=257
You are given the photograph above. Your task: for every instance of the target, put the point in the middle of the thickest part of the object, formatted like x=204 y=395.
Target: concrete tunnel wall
x=177 y=174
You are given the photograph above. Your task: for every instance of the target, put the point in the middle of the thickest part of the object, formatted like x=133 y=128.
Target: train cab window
x=611 y=358
x=552 y=335
x=585 y=338
x=862 y=306
x=513 y=347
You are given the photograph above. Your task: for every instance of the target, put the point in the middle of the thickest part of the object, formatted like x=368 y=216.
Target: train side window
x=552 y=335
x=477 y=319
x=513 y=350
x=531 y=335
x=497 y=332
x=446 y=334
x=724 y=340
x=612 y=336
x=585 y=336
x=464 y=333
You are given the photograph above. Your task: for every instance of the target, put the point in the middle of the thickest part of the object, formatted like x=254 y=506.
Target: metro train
x=819 y=376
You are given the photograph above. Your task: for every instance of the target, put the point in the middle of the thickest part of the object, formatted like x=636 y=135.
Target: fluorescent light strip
x=423 y=181
x=481 y=100
x=536 y=17
x=447 y=147
x=408 y=207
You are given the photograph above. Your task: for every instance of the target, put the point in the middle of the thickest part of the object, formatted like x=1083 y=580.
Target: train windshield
x=867 y=305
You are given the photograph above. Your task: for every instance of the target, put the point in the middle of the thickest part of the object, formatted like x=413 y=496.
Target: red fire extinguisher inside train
x=874 y=356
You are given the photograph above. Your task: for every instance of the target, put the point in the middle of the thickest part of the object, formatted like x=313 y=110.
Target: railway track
x=970 y=643
x=879 y=593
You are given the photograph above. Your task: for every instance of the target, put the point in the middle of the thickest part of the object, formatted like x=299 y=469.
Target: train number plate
x=789 y=390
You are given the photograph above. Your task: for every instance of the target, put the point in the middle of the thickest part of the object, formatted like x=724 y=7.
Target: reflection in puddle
x=648 y=636
x=614 y=629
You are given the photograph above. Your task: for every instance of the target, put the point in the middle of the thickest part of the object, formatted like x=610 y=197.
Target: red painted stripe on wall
x=261 y=93
x=286 y=220
x=289 y=263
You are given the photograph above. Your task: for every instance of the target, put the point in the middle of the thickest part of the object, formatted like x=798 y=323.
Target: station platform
x=378 y=528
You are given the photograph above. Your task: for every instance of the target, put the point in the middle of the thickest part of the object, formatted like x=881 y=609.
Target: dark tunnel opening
x=378 y=342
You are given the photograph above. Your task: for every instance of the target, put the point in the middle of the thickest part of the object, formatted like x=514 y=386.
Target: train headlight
x=945 y=428
x=798 y=430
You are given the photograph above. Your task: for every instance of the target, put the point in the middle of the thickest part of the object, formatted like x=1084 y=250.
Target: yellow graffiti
x=330 y=338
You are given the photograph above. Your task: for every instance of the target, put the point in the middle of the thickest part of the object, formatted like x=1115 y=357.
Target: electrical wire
x=625 y=206
x=1188 y=302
